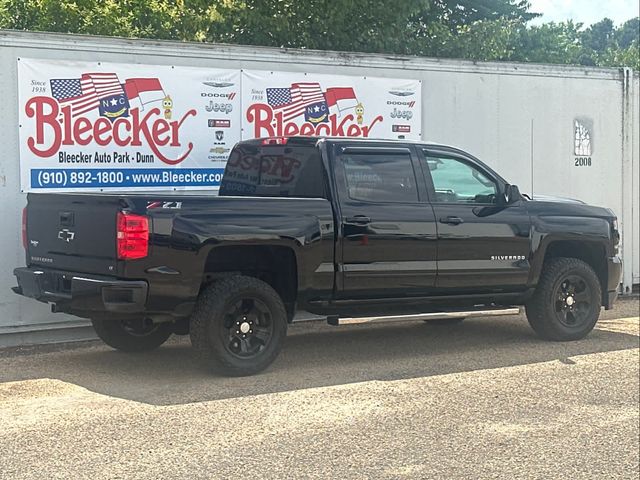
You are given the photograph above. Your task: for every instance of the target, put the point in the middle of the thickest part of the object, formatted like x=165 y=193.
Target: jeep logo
x=406 y=114
x=218 y=107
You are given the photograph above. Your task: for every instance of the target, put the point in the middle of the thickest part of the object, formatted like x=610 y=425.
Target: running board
x=335 y=320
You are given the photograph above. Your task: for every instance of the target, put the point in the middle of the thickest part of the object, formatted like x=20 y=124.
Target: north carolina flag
x=146 y=90
x=340 y=98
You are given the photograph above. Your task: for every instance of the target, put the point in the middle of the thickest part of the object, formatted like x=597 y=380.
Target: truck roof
x=312 y=140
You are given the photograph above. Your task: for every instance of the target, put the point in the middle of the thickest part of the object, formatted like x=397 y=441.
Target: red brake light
x=132 y=236
x=24 y=227
x=275 y=141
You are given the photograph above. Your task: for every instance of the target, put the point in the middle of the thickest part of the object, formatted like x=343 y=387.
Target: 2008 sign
x=583 y=162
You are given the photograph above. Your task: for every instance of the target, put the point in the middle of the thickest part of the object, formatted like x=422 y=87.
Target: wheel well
x=275 y=265
x=590 y=253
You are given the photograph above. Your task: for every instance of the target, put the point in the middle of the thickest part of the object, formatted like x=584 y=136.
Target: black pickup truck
x=342 y=228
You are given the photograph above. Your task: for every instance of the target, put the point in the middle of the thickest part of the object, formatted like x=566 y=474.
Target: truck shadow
x=316 y=355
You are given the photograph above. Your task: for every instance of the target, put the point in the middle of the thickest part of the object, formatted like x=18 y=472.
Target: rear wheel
x=132 y=335
x=567 y=300
x=238 y=326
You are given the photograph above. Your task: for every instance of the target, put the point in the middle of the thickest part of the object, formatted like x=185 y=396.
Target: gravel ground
x=484 y=399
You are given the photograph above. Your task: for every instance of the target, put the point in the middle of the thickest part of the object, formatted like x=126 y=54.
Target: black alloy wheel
x=238 y=326
x=247 y=328
x=567 y=300
x=573 y=301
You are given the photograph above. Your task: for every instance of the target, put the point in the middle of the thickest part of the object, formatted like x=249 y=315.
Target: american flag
x=84 y=93
x=293 y=101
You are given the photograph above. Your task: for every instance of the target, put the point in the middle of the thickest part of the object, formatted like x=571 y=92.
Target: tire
x=566 y=303
x=238 y=326
x=136 y=335
x=443 y=322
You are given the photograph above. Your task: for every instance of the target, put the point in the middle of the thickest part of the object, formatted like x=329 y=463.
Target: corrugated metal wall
x=518 y=118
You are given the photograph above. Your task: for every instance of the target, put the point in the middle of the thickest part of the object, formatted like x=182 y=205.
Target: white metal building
x=522 y=119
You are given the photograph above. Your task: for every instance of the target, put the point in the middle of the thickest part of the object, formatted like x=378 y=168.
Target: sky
x=584 y=11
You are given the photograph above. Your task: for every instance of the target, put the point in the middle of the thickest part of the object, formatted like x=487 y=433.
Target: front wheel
x=132 y=335
x=238 y=326
x=567 y=300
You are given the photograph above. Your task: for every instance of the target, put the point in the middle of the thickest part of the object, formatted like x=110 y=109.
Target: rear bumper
x=81 y=294
x=614 y=275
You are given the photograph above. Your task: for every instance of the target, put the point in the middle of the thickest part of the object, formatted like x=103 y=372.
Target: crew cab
x=343 y=228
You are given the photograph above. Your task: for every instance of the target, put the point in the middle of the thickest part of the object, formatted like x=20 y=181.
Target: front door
x=388 y=227
x=483 y=242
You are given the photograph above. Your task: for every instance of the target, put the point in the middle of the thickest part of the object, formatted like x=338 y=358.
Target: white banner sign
x=110 y=126
x=288 y=103
x=86 y=125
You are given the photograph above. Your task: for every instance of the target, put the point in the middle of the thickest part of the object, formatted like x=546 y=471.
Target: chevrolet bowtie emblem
x=66 y=235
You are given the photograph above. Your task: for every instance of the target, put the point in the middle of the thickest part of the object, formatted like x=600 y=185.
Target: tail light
x=615 y=235
x=24 y=227
x=132 y=236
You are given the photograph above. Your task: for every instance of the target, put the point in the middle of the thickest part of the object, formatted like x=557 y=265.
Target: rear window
x=274 y=171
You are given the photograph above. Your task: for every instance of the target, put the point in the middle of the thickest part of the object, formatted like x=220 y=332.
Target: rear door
x=483 y=243
x=388 y=246
x=72 y=232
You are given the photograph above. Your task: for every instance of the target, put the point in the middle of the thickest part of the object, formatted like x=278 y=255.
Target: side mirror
x=511 y=194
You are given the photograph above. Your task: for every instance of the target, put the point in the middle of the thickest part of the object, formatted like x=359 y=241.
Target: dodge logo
x=66 y=235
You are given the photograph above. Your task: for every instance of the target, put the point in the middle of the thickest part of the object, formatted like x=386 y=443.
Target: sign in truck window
x=111 y=126
x=280 y=171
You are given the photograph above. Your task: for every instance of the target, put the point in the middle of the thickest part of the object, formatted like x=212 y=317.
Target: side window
x=458 y=182
x=386 y=178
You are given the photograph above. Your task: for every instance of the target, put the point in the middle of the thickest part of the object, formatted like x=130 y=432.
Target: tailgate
x=72 y=232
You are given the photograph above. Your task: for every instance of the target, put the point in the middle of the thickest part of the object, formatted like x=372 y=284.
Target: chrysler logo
x=66 y=235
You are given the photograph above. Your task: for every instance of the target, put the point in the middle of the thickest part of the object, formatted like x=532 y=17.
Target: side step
x=335 y=320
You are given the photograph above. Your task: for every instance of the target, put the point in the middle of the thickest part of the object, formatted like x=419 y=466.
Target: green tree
x=162 y=19
x=624 y=48
x=348 y=25
x=471 y=29
x=599 y=36
x=460 y=13
x=628 y=33
x=550 y=43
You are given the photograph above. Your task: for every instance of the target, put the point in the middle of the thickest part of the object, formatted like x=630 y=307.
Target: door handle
x=451 y=220
x=358 y=220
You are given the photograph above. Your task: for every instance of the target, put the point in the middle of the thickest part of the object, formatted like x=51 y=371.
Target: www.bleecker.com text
x=104 y=157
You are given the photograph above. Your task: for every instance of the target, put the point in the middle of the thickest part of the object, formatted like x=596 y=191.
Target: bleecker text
x=266 y=123
x=53 y=132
